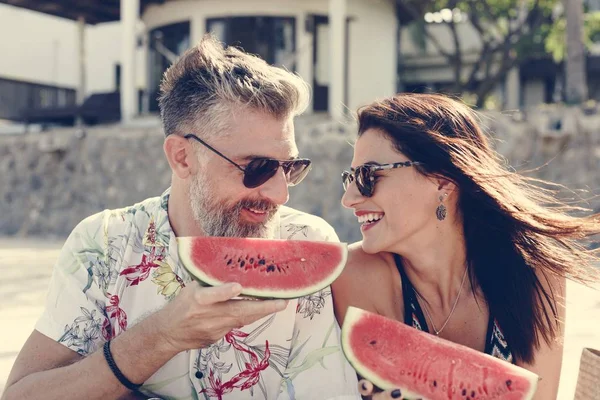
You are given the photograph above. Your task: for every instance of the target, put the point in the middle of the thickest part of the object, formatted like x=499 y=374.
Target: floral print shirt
x=118 y=266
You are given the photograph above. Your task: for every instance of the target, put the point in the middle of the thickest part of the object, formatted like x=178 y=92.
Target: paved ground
x=26 y=265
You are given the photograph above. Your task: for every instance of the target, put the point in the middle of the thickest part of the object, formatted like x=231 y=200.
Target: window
x=165 y=44
x=271 y=38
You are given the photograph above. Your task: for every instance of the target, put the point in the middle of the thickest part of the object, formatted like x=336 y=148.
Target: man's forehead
x=259 y=135
x=250 y=146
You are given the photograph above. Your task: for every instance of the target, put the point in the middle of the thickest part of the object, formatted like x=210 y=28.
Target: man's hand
x=368 y=391
x=200 y=316
x=196 y=318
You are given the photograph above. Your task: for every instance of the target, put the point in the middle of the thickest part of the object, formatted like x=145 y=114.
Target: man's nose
x=276 y=188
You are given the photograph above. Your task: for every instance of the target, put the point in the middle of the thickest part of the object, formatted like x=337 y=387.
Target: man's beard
x=220 y=219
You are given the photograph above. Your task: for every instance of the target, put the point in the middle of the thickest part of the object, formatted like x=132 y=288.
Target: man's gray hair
x=201 y=90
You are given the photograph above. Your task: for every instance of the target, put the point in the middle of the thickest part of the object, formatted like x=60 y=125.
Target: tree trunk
x=575 y=63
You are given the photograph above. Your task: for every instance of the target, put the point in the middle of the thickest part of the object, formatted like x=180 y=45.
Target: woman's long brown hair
x=513 y=225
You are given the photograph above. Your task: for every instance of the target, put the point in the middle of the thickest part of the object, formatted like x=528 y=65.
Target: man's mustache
x=260 y=205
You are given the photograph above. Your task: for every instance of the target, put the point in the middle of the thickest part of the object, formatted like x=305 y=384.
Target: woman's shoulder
x=368 y=282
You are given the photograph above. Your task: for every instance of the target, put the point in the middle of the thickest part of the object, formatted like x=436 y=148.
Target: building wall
x=372 y=32
x=469 y=39
x=425 y=64
x=37 y=47
x=44 y=48
x=41 y=48
x=104 y=53
x=373 y=54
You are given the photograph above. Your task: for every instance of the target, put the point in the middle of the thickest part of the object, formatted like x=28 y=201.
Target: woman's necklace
x=437 y=332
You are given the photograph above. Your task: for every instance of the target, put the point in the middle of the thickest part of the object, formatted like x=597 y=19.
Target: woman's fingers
x=365 y=387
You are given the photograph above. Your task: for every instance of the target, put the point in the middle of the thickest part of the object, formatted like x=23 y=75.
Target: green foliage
x=556 y=43
x=511 y=32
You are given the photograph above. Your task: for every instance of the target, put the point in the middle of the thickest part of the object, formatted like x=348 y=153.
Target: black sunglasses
x=364 y=175
x=260 y=170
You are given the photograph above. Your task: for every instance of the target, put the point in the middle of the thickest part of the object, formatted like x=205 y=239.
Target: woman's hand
x=369 y=392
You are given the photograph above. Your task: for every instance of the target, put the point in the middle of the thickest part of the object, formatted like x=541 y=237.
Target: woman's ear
x=181 y=156
x=445 y=186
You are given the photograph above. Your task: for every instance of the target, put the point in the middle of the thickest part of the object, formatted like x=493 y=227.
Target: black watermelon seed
x=473 y=393
x=271 y=268
x=229 y=262
x=278 y=269
x=373 y=342
x=199 y=375
x=242 y=263
x=261 y=262
x=434 y=383
x=464 y=392
x=508 y=383
x=251 y=260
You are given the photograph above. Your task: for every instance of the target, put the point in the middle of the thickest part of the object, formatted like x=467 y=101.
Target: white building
x=346 y=49
x=56 y=54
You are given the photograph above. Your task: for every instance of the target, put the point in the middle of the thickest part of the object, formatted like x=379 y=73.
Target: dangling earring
x=440 y=211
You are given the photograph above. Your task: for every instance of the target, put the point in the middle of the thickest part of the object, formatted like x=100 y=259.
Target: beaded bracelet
x=116 y=371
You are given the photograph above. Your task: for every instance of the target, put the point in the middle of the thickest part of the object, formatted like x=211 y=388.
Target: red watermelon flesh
x=268 y=268
x=393 y=355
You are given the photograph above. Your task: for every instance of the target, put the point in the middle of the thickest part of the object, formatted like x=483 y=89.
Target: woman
x=454 y=243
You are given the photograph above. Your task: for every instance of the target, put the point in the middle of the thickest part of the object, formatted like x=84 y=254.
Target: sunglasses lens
x=258 y=171
x=363 y=181
x=346 y=179
x=297 y=171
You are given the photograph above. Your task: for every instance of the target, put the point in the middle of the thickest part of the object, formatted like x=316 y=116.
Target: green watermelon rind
x=184 y=244
x=353 y=317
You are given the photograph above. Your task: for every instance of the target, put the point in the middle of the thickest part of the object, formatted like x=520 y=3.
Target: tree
x=568 y=40
x=575 y=71
x=511 y=32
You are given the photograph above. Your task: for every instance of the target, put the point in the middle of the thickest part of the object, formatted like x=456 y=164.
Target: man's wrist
x=116 y=370
x=158 y=336
x=141 y=351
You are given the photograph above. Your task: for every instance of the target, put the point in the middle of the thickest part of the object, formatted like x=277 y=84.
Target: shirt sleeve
x=316 y=366
x=75 y=311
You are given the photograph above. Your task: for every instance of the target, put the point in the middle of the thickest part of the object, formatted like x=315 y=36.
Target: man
x=124 y=317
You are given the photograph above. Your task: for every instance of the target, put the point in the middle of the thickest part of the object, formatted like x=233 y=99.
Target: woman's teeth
x=371 y=217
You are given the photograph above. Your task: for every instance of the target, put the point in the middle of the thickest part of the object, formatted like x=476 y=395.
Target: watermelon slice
x=267 y=268
x=393 y=355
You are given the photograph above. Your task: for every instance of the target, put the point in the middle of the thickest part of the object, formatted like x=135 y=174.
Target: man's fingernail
x=281 y=304
x=396 y=394
x=236 y=287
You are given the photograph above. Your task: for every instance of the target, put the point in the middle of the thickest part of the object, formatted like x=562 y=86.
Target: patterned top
x=118 y=266
x=495 y=344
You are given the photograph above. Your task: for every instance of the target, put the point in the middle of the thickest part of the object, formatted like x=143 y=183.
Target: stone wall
x=50 y=181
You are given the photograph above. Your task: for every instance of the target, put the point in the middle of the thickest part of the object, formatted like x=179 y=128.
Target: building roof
x=98 y=11
x=94 y=11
